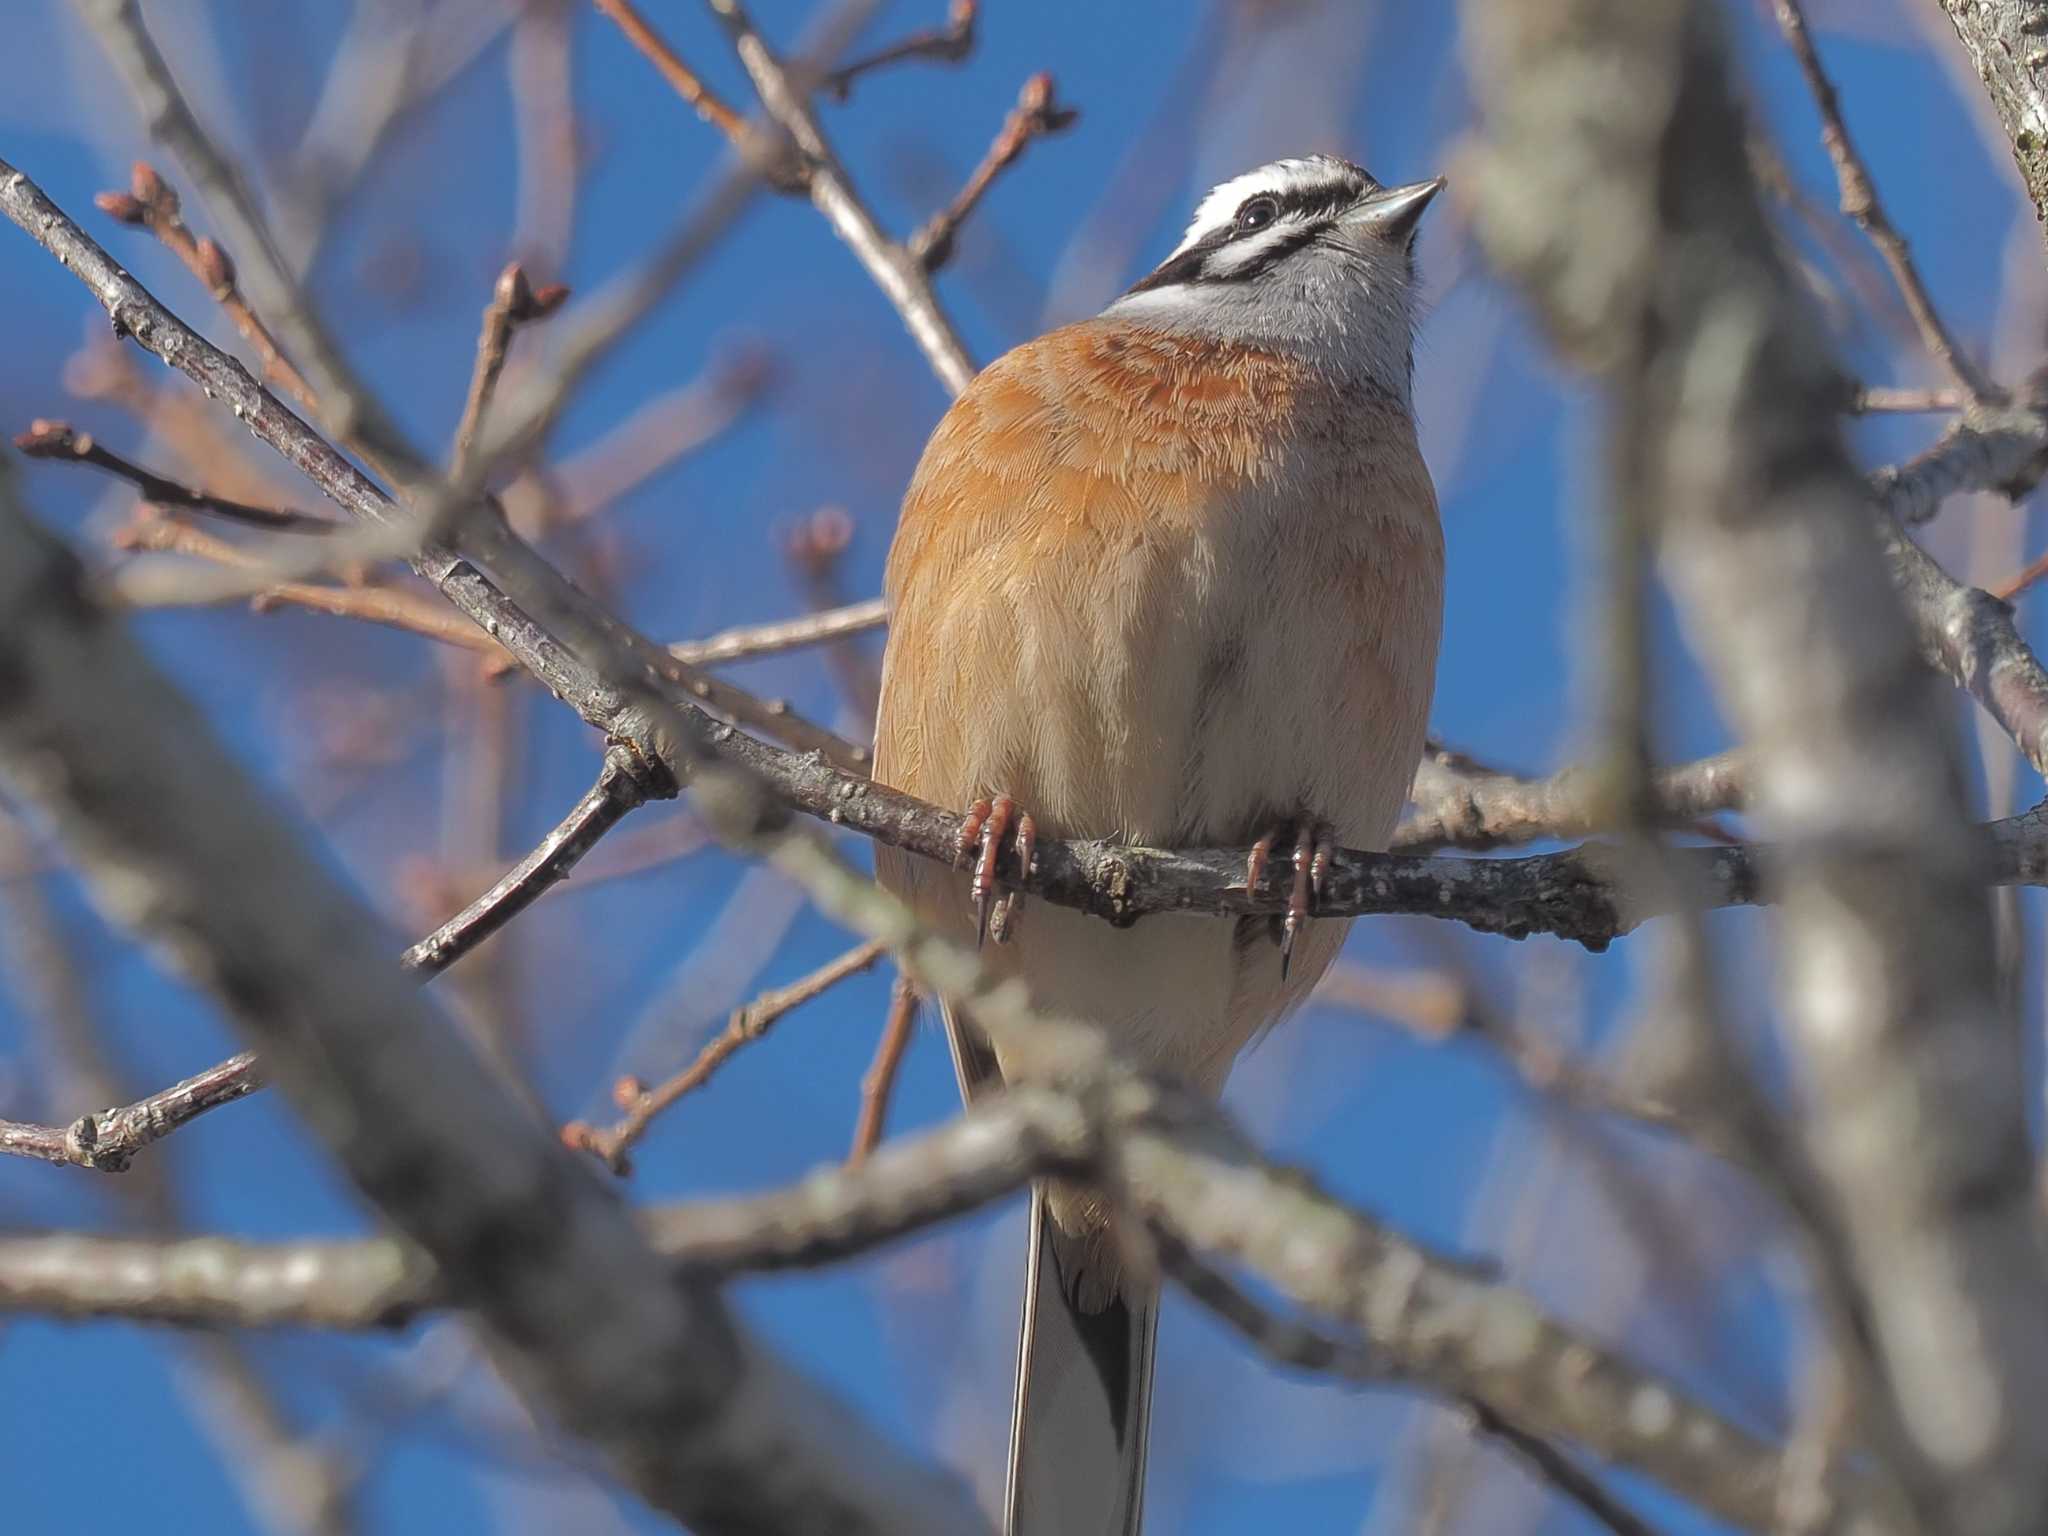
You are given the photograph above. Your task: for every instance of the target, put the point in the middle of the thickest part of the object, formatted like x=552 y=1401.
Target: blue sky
x=1637 y=1239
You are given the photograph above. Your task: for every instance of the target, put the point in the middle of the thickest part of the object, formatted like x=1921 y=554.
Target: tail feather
x=1084 y=1401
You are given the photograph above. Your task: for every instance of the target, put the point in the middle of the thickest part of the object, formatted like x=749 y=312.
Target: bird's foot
x=988 y=824
x=1313 y=846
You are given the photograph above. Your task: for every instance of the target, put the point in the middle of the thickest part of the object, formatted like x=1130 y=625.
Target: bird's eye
x=1256 y=214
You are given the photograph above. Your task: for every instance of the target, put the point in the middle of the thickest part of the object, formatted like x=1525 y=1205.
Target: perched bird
x=1172 y=576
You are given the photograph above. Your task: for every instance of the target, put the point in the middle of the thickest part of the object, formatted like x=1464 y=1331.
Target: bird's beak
x=1393 y=212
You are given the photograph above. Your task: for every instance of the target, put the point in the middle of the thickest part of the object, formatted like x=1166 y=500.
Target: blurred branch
x=151 y=204
x=948 y=44
x=2004 y=39
x=1876 y=398
x=880 y=1082
x=682 y=79
x=1425 y=1320
x=1860 y=202
x=1034 y=117
x=514 y=303
x=395 y=607
x=107 y=1141
x=1671 y=285
x=346 y=410
x=2001 y=448
x=1460 y=805
x=699 y=1418
x=46 y=439
x=643 y=1105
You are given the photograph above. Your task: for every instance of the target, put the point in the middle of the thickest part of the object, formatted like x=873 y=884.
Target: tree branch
x=694 y=1414
x=2005 y=43
x=1912 y=1113
x=1860 y=202
x=108 y=1141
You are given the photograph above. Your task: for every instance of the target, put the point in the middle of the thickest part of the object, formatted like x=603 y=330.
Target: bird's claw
x=982 y=834
x=1313 y=849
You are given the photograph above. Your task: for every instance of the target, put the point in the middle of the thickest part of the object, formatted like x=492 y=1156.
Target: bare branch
x=899 y=274
x=1458 y=805
x=1035 y=116
x=56 y=440
x=514 y=302
x=107 y=1141
x=2004 y=41
x=880 y=1082
x=1860 y=203
x=1872 y=399
x=643 y=1105
x=346 y=410
x=1912 y=1112
x=697 y=1416
x=784 y=634
x=1989 y=448
x=396 y=607
x=619 y=790
x=683 y=80
x=948 y=44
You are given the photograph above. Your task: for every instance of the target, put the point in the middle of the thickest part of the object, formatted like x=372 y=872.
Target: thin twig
x=1860 y=203
x=346 y=409
x=899 y=275
x=151 y=204
x=395 y=607
x=2021 y=579
x=619 y=789
x=1873 y=399
x=880 y=1082
x=1034 y=117
x=106 y=1142
x=749 y=1022
x=948 y=44
x=1553 y=1467
x=682 y=79
x=46 y=439
x=783 y=635
x=514 y=302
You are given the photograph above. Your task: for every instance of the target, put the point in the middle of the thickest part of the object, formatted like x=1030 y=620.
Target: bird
x=1171 y=576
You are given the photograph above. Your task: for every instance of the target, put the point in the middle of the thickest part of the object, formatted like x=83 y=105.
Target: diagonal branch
x=46 y=439
x=900 y=275
x=1860 y=202
x=697 y=1416
x=1035 y=116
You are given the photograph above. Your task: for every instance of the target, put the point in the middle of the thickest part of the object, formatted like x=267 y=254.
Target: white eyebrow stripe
x=1315 y=174
x=1247 y=252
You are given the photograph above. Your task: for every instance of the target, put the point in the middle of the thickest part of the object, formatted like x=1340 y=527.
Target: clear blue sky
x=1641 y=1242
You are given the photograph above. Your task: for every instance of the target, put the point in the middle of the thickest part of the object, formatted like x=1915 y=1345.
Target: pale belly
x=1178 y=691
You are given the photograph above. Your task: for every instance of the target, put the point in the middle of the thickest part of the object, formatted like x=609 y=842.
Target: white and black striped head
x=1312 y=254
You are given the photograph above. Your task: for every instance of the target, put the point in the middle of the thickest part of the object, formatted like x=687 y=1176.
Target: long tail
x=1083 y=1406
